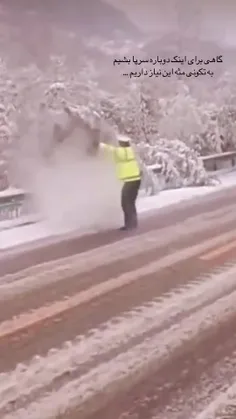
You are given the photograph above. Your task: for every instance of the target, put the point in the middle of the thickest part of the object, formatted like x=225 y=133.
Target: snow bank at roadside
x=41 y=230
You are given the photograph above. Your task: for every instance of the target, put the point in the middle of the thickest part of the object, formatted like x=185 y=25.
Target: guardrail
x=218 y=162
x=214 y=164
x=11 y=210
x=12 y=206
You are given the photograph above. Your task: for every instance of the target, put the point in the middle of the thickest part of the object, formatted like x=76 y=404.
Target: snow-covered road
x=137 y=326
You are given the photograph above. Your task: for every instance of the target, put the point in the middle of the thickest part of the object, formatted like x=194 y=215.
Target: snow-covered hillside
x=171 y=122
x=169 y=129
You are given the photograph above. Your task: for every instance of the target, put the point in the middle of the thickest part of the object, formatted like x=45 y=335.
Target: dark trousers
x=129 y=195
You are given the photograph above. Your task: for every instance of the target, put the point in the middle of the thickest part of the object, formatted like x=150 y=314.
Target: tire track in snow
x=190 y=395
x=30 y=388
x=192 y=380
x=95 y=388
x=50 y=272
x=222 y=407
x=37 y=316
x=118 y=332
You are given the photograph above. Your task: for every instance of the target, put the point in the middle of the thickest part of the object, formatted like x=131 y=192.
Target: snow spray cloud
x=73 y=191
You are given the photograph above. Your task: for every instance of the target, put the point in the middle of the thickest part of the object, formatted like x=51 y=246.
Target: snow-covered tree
x=169 y=125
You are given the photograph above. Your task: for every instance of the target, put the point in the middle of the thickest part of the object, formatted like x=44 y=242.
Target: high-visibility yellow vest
x=127 y=168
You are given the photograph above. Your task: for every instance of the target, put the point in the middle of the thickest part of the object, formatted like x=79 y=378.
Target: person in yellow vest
x=128 y=171
x=127 y=168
